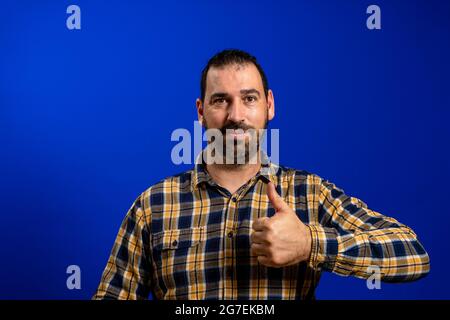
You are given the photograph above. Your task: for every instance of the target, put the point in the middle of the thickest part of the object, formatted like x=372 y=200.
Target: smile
x=237 y=134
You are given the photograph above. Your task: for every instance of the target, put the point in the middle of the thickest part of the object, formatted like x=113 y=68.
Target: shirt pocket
x=174 y=239
x=178 y=258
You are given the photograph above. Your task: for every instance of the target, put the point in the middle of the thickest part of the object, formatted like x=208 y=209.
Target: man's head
x=234 y=94
x=231 y=57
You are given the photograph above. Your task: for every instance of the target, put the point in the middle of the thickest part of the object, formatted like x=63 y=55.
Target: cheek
x=215 y=118
x=258 y=116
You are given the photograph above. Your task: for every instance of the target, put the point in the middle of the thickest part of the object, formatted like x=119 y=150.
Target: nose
x=236 y=112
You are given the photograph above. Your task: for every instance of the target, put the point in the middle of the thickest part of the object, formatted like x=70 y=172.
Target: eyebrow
x=218 y=95
x=248 y=91
x=226 y=95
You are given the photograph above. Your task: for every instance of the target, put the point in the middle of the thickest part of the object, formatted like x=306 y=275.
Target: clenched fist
x=282 y=239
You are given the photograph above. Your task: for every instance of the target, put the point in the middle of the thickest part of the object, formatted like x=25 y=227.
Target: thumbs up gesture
x=282 y=239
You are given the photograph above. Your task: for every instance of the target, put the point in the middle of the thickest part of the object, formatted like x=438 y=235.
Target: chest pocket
x=177 y=238
x=178 y=257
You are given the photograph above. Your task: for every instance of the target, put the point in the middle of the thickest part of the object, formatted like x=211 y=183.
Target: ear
x=270 y=105
x=199 y=105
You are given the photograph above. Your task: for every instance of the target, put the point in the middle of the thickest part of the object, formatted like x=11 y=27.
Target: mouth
x=237 y=134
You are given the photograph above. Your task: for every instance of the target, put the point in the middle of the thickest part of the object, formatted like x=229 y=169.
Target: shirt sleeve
x=351 y=239
x=127 y=275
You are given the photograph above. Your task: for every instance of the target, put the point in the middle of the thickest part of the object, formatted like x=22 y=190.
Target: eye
x=250 y=99
x=219 y=101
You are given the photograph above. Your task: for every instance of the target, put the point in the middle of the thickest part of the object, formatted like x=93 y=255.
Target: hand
x=282 y=239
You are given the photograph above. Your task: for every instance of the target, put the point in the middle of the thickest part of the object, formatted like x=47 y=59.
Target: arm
x=128 y=272
x=350 y=238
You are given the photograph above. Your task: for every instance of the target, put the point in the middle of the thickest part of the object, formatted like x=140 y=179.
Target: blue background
x=86 y=117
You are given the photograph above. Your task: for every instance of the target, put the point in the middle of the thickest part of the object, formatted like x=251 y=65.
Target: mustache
x=235 y=126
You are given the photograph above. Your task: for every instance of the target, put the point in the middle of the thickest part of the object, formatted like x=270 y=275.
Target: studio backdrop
x=91 y=92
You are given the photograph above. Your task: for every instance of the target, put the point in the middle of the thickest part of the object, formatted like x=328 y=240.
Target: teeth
x=236 y=132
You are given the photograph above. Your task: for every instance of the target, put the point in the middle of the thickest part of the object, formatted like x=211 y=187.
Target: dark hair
x=228 y=57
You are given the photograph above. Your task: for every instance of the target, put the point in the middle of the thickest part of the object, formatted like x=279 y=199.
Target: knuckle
x=276 y=259
x=268 y=224
x=270 y=237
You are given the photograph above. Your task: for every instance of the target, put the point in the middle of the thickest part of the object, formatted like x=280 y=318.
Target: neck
x=232 y=177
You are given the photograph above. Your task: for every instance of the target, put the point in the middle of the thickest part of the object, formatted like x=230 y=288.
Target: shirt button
x=234 y=199
x=174 y=243
x=230 y=234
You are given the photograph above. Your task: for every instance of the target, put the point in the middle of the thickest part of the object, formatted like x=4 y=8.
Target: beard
x=234 y=144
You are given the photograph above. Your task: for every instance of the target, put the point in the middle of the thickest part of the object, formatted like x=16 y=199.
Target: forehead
x=233 y=78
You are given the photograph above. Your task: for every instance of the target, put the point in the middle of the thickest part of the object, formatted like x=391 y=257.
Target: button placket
x=229 y=243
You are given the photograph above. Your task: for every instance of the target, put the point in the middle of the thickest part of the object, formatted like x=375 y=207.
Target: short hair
x=229 y=57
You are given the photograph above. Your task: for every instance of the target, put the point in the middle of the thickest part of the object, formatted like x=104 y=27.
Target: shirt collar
x=267 y=172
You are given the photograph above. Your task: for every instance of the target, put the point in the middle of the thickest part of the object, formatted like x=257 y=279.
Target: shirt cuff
x=324 y=247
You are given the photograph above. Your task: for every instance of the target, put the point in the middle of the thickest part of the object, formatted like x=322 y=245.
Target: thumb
x=277 y=202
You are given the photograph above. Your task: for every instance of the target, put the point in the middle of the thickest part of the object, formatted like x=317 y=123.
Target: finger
x=260 y=224
x=258 y=249
x=264 y=260
x=258 y=237
x=274 y=198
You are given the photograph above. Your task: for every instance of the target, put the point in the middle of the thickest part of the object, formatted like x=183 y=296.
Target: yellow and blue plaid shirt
x=186 y=237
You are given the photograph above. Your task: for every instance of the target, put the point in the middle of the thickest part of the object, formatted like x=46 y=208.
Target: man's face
x=235 y=99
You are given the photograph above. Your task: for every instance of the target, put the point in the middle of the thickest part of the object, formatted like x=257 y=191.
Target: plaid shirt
x=186 y=237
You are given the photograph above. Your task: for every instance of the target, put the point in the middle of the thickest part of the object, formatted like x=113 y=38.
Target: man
x=249 y=230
